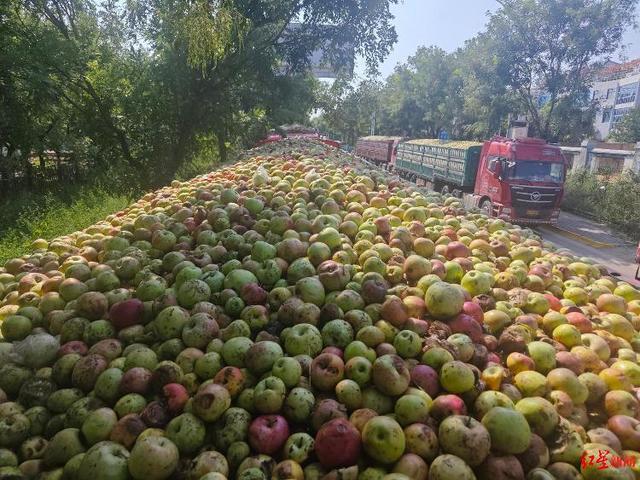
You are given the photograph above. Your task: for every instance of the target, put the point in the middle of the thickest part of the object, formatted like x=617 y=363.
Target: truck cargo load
x=440 y=163
x=378 y=149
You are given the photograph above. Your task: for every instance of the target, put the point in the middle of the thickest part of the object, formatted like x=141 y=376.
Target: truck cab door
x=496 y=172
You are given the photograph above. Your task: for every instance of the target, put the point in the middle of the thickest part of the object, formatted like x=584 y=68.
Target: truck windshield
x=535 y=171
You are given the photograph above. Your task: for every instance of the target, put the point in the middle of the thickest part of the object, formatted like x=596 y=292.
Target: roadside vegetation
x=611 y=199
x=30 y=214
x=27 y=216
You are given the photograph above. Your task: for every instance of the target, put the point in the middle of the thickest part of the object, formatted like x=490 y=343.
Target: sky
x=447 y=24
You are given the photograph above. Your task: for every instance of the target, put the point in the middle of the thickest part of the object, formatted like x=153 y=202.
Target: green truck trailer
x=440 y=164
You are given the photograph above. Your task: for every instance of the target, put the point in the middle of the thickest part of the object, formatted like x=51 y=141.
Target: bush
x=611 y=199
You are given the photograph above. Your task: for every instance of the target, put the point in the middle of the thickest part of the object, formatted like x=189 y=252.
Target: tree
x=422 y=96
x=145 y=85
x=347 y=110
x=238 y=52
x=548 y=46
x=627 y=130
x=486 y=99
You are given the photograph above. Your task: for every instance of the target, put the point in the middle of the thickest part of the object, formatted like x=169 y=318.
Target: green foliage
x=610 y=199
x=627 y=130
x=27 y=216
x=486 y=100
x=548 y=46
x=347 y=110
x=425 y=92
x=534 y=58
x=433 y=91
x=135 y=86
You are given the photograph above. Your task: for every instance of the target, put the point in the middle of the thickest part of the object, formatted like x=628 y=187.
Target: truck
x=521 y=180
x=297 y=132
x=378 y=149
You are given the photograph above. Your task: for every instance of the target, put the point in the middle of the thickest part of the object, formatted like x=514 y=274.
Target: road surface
x=587 y=238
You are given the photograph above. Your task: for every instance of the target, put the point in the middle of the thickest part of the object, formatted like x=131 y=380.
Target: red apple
x=176 y=397
x=253 y=294
x=426 y=378
x=126 y=313
x=338 y=444
x=463 y=323
x=457 y=249
x=437 y=268
x=446 y=405
x=473 y=310
x=554 y=303
x=74 y=346
x=333 y=350
x=135 y=380
x=268 y=433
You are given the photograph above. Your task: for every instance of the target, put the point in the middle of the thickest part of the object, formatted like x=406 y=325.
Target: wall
x=595 y=156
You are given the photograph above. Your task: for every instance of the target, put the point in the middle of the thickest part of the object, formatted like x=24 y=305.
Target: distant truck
x=378 y=149
x=297 y=132
x=520 y=180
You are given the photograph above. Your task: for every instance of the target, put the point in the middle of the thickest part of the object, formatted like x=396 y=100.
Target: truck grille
x=534 y=197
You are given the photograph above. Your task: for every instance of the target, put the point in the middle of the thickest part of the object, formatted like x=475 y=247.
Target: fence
x=598 y=157
x=40 y=172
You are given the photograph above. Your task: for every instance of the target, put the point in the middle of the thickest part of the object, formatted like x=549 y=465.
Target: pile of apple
x=299 y=315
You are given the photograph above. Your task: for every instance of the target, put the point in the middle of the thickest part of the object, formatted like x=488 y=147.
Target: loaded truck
x=378 y=149
x=297 y=132
x=521 y=180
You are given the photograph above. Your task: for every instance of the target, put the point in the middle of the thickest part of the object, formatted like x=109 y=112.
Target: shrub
x=611 y=199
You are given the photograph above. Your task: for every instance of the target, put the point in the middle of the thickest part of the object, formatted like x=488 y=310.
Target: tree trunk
x=43 y=164
x=29 y=173
x=58 y=165
x=222 y=144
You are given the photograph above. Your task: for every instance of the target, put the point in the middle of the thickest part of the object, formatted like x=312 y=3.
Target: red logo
x=604 y=460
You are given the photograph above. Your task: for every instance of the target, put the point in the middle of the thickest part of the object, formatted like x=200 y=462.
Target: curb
x=580 y=238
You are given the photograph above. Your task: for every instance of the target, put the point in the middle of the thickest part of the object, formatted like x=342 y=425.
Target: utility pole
x=372 y=129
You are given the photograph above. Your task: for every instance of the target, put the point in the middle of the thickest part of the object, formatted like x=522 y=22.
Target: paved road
x=588 y=238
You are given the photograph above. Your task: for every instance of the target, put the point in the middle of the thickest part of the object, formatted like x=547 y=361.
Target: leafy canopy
x=147 y=85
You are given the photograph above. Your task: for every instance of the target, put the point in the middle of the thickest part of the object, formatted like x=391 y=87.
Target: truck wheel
x=445 y=190
x=487 y=208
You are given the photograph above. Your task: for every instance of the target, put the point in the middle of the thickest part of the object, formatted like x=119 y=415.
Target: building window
x=610 y=92
x=618 y=113
x=627 y=93
x=606 y=116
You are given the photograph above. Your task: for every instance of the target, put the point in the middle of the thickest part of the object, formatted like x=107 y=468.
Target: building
x=615 y=88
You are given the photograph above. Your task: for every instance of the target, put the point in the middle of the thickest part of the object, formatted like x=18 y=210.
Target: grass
x=28 y=215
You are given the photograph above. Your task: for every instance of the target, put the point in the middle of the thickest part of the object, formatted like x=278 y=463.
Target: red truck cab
x=272 y=137
x=520 y=180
